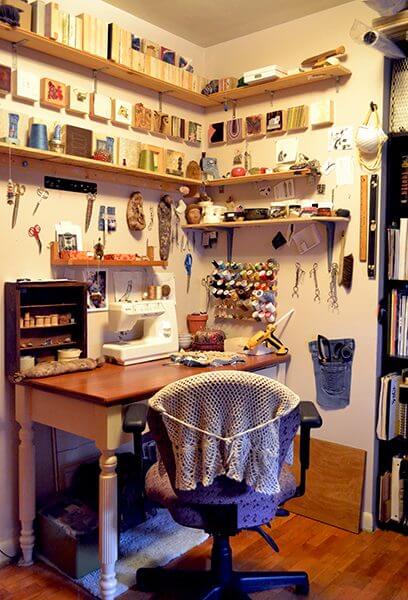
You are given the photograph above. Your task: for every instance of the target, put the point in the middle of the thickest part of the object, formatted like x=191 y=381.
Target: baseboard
x=9 y=546
x=367 y=521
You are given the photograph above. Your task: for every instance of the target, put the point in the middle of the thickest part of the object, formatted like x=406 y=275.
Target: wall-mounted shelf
x=36 y=42
x=278 y=176
x=230 y=227
x=56 y=261
x=284 y=83
x=95 y=169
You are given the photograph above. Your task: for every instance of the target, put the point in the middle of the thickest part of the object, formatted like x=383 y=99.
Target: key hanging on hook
x=298 y=280
x=313 y=273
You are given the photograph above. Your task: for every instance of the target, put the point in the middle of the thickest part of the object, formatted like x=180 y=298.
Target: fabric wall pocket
x=332 y=365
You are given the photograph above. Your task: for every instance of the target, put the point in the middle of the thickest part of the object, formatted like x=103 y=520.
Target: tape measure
x=363 y=217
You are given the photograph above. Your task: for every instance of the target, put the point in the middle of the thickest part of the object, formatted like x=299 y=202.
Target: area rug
x=154 y=543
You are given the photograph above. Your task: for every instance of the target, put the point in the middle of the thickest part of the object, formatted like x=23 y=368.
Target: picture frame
x=105 y=146
x=195 y=132
x=255 y=125
x=53 y=93
x=78 y=101
x=100 y=107
x=234 y=131
x=142 y=117
x=175 y=162
x=322 y=114
x=5 y=80
x=122 y=112
x=275 y=122
x=298 y=117
x=216 y=133
x=97 y=290
x=26 y=86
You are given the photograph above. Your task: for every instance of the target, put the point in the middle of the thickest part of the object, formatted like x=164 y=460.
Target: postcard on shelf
x=322 y=113
x=78 y=101
x=167 y=56
x=276 y=121
x=254 y=126
x=53 y=93
x=5 y=79
x=195 y=132
x=142 y=117
x=100 y=107
x=78 y=141
x=68 y=236
x=151 y=48
x=235 y=131
x=161 y=123
x=286 y=150
x=26 y=85
x=175 y=162
x=128 y=153
x=121 y=112
x=216 y=133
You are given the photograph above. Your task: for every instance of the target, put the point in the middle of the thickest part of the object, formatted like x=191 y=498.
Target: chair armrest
x=309 y=419
x=134 y=420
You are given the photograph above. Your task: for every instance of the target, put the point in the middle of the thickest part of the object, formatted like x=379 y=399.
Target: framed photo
x=195 y=132
x=276 y=121
x=68 y=236
x=100 y=107
x=77 y=101
x=105 y=148
x=175 y=162
x=53 y=93
x=254 y=126
x=168 y=56
x=5 y=80
x=216 y=133
x=26 y=86
x=121 y=112
x=235 y=131
x=142 y=117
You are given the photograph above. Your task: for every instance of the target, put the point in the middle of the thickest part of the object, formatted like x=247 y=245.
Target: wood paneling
x=340 y=564
x=334 y=485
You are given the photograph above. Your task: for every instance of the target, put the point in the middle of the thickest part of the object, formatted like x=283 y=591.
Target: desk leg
x=108 y=523
x=26 y=480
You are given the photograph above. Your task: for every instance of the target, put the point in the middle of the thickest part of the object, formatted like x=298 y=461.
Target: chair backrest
x=231 y=423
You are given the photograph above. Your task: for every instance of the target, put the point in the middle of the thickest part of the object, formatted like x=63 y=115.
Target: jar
x=39 y=321
x=47 y=320
x=54 y=319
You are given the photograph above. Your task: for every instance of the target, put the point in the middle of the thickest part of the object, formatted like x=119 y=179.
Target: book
x=38 y=17
x=78 y=33
x=71 y=30
x=114 y=42
x=52 y=24
x=397 y=490
x=86 y=32
x=77 y=141
x=392 y=407
x=64 y=27
x=384 y=509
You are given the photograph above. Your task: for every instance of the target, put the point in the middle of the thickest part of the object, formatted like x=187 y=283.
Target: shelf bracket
x=230 y=243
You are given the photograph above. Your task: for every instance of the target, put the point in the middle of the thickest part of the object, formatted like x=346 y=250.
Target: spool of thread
x=38 y=136
x=146 y=160
x=47 y=320
x=21 y=322
x=54 y=319
x=159 y=294
x=151 y=292
x=26 y=362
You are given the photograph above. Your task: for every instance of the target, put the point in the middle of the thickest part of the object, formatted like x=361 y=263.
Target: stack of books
x=392 y=410
x=392 y=495
x=398 y=323
x=398 y=251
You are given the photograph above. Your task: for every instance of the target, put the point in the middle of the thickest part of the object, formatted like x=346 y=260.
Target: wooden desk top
x=113 y=384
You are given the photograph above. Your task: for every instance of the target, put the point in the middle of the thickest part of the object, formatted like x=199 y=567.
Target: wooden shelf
x=266 y=222
x=56 y=261
x=284 y=83
x=42 y=159
x=46 y=347
x=63 y=305
x=22 y=329
x=36 y=42
x=278 y=176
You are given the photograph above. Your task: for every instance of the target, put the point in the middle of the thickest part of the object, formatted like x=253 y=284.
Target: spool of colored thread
x=38 y=136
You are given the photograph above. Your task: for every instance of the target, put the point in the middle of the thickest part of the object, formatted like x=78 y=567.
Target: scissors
x=35 y=233
x=43 y=195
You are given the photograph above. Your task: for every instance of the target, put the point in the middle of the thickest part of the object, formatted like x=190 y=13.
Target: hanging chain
x=298 y=280
x=313 y=273
x=332 y=299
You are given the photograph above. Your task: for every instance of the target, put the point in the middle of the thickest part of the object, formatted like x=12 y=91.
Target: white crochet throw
x=225 y=423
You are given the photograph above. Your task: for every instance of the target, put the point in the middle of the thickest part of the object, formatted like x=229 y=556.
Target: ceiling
x=209 y=22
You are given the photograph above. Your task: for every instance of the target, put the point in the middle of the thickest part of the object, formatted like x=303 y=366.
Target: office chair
x=223 y=439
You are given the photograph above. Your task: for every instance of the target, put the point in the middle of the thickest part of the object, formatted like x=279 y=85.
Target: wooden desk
x=90 y=404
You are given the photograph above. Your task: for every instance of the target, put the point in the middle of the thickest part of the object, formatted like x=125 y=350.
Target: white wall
x=287 y=45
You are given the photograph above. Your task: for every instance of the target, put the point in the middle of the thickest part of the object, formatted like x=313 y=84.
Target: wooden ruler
x=363 y=217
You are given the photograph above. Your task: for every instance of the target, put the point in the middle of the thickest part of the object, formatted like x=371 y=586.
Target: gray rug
x=154 y=543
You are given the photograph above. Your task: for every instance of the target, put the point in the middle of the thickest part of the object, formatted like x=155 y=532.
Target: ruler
x=363 y=217
x=372 y=233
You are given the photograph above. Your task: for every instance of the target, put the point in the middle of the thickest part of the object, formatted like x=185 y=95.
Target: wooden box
x=77 y=141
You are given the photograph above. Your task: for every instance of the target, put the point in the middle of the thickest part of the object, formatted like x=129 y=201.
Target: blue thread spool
x=38 y=136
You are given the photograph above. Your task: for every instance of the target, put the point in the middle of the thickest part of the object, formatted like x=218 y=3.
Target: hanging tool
x=363 y=217
x=89 y=208
x=43 y=195
x=19 y=190
x=372 y=233
x=35 y=233
x=346 y=263
x=188 y=264
x=330 y=227
x=323 y=349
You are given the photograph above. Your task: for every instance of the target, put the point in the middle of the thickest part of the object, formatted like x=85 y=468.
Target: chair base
x=204 y=585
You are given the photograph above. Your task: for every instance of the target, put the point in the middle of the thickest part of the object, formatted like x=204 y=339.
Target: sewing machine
x=158 y=335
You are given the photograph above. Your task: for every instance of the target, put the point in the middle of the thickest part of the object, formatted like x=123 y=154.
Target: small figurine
x=99 y=250
x=238 y=170
x=193 y=214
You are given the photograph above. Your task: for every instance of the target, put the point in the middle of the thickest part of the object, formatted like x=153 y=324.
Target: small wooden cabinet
x=41 y=317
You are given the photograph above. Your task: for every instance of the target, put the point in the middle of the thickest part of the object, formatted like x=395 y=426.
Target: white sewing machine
x=159 y=337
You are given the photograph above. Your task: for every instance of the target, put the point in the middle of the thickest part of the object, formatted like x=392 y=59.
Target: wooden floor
x=341 y=565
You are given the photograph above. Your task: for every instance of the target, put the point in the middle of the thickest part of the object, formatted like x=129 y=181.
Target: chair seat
x=253 y=508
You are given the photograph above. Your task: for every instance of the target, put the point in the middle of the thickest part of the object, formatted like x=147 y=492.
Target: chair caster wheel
x=302 y=590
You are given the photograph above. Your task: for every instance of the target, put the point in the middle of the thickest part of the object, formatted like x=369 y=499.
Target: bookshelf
x=394 y=211
x=33 y=41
